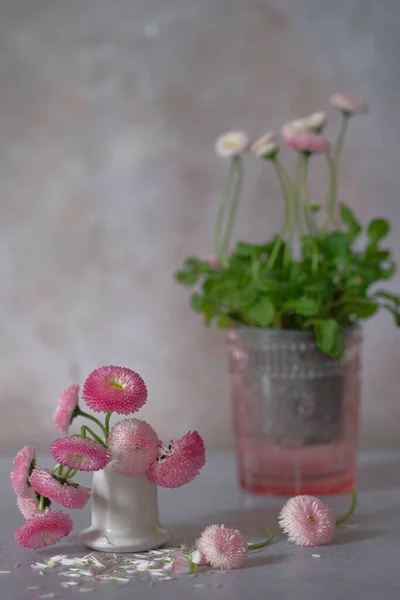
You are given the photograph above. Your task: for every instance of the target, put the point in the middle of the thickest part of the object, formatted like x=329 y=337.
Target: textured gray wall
x=108 y=114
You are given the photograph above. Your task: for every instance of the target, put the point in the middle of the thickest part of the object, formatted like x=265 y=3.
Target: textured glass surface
x=296 y=411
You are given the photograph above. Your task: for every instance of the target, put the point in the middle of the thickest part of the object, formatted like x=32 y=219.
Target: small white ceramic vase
x=124 y=513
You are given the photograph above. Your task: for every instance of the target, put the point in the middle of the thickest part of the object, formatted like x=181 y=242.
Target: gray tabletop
x=363 y=561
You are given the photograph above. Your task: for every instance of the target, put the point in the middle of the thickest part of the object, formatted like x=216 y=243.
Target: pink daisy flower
x=115 y=389
x=24 y=463
x=29 y=505
x=80 y=453
x=65 y=494
x=134 y=445
x=47 y=529
x=182 y=565
x=349 y=104
x=179 y=462
x=67 y=404
x=307 y=521
x=222 y=547
x=306 y=141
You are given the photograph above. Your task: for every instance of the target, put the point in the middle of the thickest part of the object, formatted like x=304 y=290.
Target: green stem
x=307 y=216
x=85 y=429
x=58 y=468
x=264 y=544
x=331 y=196
x=67 y=475
x=296 y=196
x=340 y=139
x=237 y=188
x=86 y=415
x=303 y=194
x=351 y=510
x=71 y=474
x=222 y=207
x=286 y=188
x=107 y=424
x=41 y=504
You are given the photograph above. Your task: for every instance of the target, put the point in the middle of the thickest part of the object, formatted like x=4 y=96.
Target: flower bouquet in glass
x=128 y=462
x=292 y=308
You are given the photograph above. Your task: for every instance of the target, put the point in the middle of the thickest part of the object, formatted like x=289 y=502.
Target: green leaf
x=302 y=306
x=223 y=321
x=348 y=218
x=361 y=307
x=329 y=338
x=377 y=229
x=336 y=245
x=197 y=302
x=187 y=277
x=388 y=271
x=261 y=313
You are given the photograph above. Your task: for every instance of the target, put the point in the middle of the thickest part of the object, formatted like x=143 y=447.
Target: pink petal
x=179 y=462
x=115 y=389
x=349 y=104
x=47 y=529
x=80 y=453
x=134 y=445
x=222 y=547
x=29 y=505
x=66 y=494
x=23 y=464
x=306 y=141
x=307 y=521
x=67 y=404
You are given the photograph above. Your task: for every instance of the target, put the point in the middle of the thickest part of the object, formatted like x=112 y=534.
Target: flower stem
x=67 y=474
x=340 y=139
x=58 y=468
x=71 y=474
x=86 y=415
x=297 y=198
x=351 y=510
x=41 y=504
x=107 y=424
x=307 y=216
x=237 y=188
x=222 y=207
x=331 y=196
x=85 y=429
x=264 y=544
x=303 y=193
x=286 y=186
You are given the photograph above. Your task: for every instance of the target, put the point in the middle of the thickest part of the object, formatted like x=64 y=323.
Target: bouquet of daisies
x=132 y=445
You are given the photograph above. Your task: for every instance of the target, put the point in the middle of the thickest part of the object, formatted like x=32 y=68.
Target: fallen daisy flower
x=308 y=521
x=225 y=548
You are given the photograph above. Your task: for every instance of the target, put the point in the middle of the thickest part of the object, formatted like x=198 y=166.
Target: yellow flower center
x=116 y=384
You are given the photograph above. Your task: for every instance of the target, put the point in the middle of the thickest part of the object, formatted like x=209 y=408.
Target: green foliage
x=324 y=296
